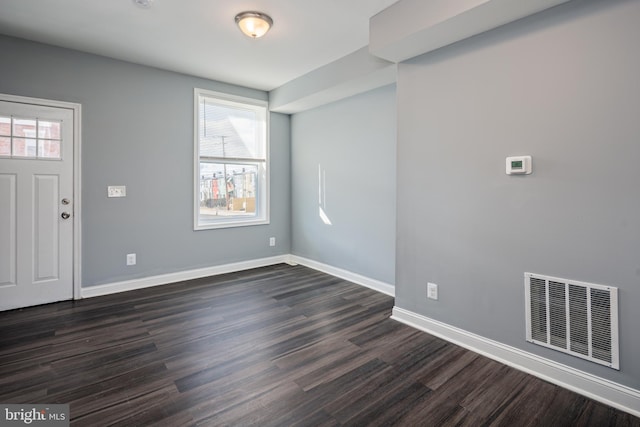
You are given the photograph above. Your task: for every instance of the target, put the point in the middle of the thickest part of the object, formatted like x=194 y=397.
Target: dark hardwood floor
x=275 y=346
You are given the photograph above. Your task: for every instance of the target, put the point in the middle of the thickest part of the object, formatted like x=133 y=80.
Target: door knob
x=65 y=215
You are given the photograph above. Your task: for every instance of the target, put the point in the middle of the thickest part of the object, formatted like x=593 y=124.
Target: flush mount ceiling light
x=146 y=4
x=254 y=24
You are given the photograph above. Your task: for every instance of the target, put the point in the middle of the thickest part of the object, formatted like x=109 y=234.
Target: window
x=231 y=150
x=29 y=138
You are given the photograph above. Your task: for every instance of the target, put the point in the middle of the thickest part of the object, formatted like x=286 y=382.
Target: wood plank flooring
x=275 y=346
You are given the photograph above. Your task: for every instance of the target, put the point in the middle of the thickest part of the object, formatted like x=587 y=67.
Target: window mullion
x=214 y=159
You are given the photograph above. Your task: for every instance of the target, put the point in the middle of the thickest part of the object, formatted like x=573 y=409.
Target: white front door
x=36 y=204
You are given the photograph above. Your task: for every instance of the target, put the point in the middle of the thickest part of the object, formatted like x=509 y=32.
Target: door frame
x=77 y=188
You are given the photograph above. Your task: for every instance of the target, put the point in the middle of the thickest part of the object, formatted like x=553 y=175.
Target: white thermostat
x=519 y=165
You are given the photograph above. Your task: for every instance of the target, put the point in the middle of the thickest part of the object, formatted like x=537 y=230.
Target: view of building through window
x=235 y=195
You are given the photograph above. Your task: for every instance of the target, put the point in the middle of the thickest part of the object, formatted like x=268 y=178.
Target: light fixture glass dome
x=254 y=24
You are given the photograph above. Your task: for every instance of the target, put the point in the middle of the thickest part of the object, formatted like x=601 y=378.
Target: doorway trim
x=77 y=173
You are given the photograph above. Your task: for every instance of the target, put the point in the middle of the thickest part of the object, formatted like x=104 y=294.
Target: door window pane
x=24 y=147
x=48 y=130
x=5 y=146
x=48 y=149
x=24 y=128
x=5 y=126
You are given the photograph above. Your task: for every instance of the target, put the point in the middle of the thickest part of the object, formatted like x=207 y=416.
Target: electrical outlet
x=272 y=241
x=432 y=291
x=131 y=259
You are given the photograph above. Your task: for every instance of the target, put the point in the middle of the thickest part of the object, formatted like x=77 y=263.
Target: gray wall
x=564 y=87
x=353 y=141
x=137 y=130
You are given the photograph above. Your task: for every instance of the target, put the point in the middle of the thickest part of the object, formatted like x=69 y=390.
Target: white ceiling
x=199 y=37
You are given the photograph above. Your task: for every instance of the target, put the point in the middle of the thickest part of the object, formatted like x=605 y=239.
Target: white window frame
x=262 y=197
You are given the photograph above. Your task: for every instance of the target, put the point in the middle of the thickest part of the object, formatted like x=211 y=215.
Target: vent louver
x=573 y=317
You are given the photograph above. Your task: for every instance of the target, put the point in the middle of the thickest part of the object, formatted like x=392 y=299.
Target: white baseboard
x=163 y=279
x=591 y=386
x=358 y=279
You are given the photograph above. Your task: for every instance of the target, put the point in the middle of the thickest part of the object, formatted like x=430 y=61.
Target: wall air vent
x=577 y=318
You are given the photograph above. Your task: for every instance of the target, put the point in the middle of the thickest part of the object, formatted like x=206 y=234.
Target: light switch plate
x=117 y=191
